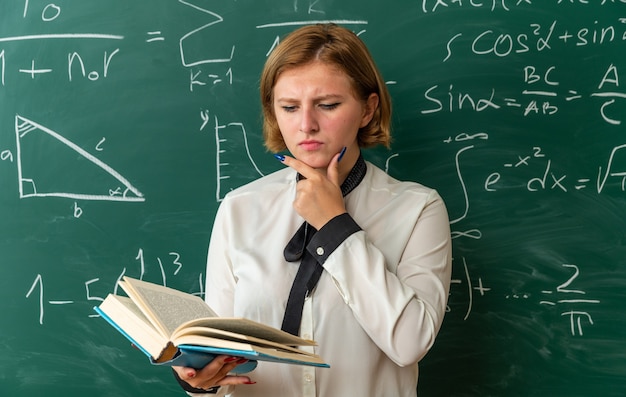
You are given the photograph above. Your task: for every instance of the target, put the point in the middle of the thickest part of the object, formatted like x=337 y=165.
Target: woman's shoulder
x=382 y=181
x=268 y=184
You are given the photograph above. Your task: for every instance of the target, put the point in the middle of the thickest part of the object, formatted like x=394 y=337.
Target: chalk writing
x=480 y=287
x=431 y=6
x=214 y=19
x=551 y=180
x=75 y=61
x=25 y=129
x=50 y=12
x=90 y=286
x=533 y=101
x=228 y=138
x=201 y=78
x=537 y=38
x=575 y=316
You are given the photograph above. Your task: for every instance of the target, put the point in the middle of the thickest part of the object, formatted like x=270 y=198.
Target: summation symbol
x=182 y=44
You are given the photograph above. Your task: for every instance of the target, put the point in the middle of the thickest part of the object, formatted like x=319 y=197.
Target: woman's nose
x=308 y=121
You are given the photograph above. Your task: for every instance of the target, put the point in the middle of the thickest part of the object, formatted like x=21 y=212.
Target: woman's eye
x=289 y=109
x=329 y=106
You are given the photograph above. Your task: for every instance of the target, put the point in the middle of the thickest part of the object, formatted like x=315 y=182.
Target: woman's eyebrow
x=320 y=98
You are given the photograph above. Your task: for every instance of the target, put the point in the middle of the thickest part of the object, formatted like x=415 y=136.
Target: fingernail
x=343 y=151
x=231 y=359
x=191 y=374
x=279 y=157
x=249 y=383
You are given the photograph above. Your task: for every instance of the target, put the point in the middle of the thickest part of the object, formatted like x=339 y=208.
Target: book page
x=244 y=326
x=130 y=321
x=166 y=307
x=198 y=335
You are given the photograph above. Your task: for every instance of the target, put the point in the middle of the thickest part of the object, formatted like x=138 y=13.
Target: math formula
x=93 y=291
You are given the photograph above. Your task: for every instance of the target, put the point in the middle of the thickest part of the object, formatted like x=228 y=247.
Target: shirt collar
x=356 y=175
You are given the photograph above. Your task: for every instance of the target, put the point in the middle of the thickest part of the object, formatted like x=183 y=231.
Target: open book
x=176 y=328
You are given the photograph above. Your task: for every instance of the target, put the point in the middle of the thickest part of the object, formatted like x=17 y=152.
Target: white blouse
x=379 y=302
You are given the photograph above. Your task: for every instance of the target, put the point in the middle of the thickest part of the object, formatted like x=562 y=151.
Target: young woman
x=374 y=252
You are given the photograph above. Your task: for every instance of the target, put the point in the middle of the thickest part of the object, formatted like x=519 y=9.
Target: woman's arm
x=401 y=302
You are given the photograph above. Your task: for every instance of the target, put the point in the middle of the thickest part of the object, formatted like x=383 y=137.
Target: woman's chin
x=314 y=161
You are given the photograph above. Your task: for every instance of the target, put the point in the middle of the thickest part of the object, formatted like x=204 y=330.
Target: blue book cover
x=252 y=355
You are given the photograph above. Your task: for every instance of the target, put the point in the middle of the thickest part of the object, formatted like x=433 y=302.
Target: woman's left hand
x=318 y=194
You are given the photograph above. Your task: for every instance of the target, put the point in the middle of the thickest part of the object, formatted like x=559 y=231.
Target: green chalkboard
x=124 y=123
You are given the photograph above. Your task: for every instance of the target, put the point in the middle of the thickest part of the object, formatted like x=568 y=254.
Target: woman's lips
x=310 y=145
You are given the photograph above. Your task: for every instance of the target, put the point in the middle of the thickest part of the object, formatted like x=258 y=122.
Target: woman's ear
x=371 y=104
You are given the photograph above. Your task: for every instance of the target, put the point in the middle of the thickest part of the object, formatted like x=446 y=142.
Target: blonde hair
x=336 y=46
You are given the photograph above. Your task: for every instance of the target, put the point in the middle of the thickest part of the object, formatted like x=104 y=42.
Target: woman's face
x=318 y=114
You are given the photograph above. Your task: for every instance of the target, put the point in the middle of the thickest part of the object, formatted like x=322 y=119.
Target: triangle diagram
x=50 y=165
